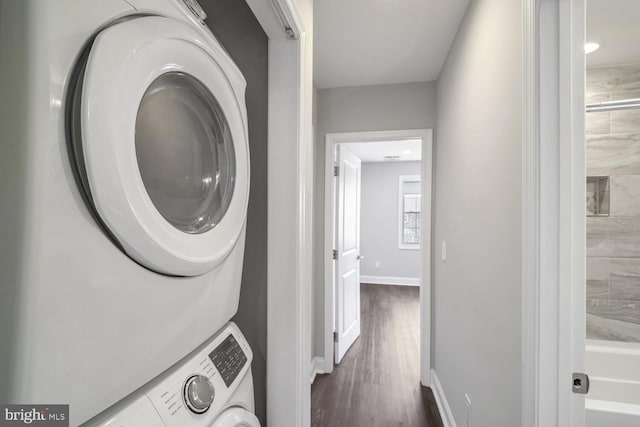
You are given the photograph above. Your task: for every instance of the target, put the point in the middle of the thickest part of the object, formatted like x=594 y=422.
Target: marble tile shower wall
x=613 y=241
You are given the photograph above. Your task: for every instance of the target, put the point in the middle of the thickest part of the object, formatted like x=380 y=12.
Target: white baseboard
x=387 y=280
x=441 y=401
x=316 y=367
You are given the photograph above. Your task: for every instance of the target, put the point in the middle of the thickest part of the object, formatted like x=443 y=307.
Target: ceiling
x=615 y=25
x=371 y=42
x=369 y=152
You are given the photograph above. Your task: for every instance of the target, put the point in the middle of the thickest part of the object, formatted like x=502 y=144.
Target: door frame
x=325 y=365
x=289 y=26
x=553 y=212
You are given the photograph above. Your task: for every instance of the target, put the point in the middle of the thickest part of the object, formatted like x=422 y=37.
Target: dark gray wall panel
x=235 y=26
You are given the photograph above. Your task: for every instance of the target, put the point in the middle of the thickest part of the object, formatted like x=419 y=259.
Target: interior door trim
x=553 y=212
x=325 y=365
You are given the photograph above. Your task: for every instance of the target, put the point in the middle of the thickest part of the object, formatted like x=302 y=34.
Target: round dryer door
x=164 y=150
x=236 y=417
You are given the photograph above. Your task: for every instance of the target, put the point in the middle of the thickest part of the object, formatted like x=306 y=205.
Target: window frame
x=402 y=179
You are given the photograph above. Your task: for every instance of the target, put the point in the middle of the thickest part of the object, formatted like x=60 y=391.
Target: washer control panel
x=192 y=392
x=195 y=390
x=229 y=359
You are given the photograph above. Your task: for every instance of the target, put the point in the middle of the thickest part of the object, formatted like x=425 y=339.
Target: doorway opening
x=612 y=124
x=377 y=263
x=580 y=303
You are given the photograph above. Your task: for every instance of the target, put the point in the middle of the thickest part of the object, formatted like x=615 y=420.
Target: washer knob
x=198 y=393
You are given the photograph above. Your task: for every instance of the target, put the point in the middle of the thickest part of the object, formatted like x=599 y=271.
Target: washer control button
x=198 y=393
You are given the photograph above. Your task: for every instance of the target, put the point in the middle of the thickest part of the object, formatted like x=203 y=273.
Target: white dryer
x=125 y=189
x=211 y=387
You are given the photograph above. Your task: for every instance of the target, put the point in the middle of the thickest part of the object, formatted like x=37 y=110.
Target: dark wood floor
x=378 y=381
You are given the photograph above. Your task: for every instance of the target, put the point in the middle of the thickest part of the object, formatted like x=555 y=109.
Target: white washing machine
x=211 y=387
x=125 y=183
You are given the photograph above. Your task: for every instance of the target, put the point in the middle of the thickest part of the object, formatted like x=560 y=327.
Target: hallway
x=378 y=381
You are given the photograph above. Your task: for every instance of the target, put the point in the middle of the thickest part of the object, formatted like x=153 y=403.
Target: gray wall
x=379 y=214
x=15 y=45
x=237 y=29
x=477 y=209
x=613 y=241
x=351 y=109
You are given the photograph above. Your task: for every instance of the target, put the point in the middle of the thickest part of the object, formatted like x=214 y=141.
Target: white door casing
x=289 y=26
x=348 y=252
x=330 y=222
x=553 y=293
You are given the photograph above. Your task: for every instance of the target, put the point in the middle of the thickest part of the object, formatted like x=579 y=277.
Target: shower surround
x=613 y=227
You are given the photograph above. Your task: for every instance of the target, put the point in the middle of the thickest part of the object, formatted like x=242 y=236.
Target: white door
x=347 y=280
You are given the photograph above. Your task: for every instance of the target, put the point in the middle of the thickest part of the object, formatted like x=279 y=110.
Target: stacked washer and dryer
x=129 y=182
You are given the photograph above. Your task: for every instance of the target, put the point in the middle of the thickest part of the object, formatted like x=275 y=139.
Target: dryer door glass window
x=185 y=152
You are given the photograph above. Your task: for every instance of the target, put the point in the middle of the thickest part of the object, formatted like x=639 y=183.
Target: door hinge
x=335 y=337
x=580 y=383
x=334 y=254
x=336 y=170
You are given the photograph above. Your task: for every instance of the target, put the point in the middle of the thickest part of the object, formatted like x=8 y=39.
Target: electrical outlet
x=377 y=264
x=467 y=404
x=444 y=251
